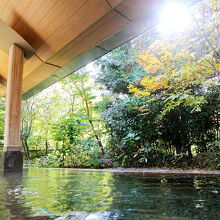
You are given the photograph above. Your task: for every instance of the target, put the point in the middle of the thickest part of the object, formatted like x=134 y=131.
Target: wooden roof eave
x=132 y=30
x=118 y=22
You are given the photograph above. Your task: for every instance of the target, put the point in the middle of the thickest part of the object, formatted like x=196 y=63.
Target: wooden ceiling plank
x=134 y=9
x=2 y=90
x=103 y=29
x=38 y=75
x=3 y=5
x=13 y=11
x=72 y=27
x=55 y=17
x=30 y=65
x=114 y=3
x=76 y=64
x=27 y=21
x=132 y=30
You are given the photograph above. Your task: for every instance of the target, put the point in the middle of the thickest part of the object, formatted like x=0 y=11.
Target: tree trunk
x=46 y=148
x=189 y=150
x=178 y=150
x=97 y=138
x=27 y=149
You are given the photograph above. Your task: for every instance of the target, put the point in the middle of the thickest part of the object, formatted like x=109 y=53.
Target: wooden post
x=12 y=158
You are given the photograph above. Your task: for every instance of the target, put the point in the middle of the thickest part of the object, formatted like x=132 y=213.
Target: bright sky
x=174 y=18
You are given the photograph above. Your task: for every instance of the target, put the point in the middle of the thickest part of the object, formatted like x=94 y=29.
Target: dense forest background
x=154 y=101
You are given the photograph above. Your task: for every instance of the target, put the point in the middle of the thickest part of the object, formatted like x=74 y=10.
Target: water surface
x=109 y=195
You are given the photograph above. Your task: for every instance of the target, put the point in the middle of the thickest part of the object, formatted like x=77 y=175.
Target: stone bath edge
x=148 y=171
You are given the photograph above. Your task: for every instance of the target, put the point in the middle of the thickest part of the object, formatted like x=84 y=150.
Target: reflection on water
x=107 y=195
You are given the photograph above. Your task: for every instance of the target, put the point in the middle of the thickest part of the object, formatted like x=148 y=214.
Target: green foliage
x=73 y=151
x=67 y=129
x=50 y=161
x=138 y=133
x=130 y=130
x=119 y=68
x=163 y=100
x=176 y=102
x=213 y=161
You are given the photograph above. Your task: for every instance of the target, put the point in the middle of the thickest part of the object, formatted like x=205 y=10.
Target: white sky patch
x=174 y=18
x=92 y=70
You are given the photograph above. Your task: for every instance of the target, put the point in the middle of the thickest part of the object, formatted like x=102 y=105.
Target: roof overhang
x=67 y=35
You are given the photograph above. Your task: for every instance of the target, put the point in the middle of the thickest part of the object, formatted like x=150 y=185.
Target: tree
x=119 y=68
x=67 y=130
x=83 y=92
x=28 y=114
x=178 y=69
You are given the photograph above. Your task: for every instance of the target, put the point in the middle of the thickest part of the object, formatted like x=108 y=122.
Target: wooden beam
x=13 y=100
x=9 y=37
